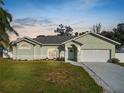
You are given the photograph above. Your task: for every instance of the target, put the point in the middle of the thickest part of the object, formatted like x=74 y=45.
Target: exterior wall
x=23 y=53
x=92 y=42
x=35 y=51
x=45 y=50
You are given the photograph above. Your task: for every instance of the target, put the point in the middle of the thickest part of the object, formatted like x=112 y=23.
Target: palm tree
x=5 y=28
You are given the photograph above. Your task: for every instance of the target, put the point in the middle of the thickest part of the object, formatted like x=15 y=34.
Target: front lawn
x=44 y=77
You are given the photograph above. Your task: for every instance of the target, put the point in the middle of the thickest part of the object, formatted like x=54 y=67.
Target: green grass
x=44 y=77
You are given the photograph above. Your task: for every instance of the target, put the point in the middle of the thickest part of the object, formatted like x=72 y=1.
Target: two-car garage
x=95 y=55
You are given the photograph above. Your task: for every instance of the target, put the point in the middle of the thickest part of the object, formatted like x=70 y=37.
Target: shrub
x=114 y=60
x=60 y=59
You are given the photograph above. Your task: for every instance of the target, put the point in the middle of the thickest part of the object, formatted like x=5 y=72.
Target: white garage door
x=95 y=55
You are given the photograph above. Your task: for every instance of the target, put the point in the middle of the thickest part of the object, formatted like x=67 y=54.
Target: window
x=24 y=46
x=52 y=53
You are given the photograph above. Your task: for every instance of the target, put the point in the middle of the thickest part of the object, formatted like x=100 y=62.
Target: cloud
x=33 y=31
x=32 y=21
x=33 y=27
x=17 y=26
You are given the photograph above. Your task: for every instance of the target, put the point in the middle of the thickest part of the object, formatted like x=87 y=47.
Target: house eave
x=51 y=44
x=29 y=40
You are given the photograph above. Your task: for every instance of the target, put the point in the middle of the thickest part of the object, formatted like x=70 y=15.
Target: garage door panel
x=95 y=55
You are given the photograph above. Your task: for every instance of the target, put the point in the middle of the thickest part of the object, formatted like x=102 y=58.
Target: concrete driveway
x=112 y=74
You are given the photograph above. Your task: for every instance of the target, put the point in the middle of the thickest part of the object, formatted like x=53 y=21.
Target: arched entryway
x=72 y=53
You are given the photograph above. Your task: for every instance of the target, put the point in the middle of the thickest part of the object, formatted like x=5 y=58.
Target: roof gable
x=27 y=39
x=96 y=35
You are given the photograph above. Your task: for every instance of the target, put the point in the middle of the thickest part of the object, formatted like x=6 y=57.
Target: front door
x=70 y=53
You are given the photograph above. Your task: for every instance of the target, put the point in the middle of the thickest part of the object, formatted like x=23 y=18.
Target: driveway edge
x=98 y=80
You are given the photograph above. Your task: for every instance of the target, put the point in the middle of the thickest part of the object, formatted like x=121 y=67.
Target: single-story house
x=89 y=47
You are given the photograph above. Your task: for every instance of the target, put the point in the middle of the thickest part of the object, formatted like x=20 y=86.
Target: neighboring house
x=90 y=47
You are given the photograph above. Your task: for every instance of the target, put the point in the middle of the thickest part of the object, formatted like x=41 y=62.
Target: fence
x=120 y=56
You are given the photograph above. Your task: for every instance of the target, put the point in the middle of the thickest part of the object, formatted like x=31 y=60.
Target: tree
x=64 y=30
x=81 y=33
x=68 y=31
x=5 y=28
x=108 y=34
x=76 y=34
x=116 y=34
x=97 y=28
x=119 y=33
x=120 y=27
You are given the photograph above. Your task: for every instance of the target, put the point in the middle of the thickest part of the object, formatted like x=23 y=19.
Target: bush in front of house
x=114 y=60
x=60 y=59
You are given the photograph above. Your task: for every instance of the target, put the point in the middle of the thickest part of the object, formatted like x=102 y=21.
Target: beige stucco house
x=89 y=47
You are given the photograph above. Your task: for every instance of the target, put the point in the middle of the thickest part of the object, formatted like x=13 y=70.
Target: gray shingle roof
x=52 y=39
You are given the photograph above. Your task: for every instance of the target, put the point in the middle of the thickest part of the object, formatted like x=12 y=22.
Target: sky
x=36 y=17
